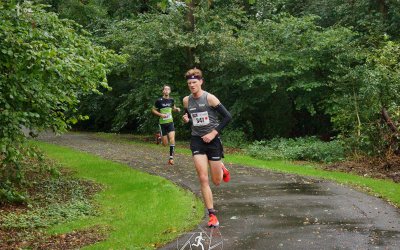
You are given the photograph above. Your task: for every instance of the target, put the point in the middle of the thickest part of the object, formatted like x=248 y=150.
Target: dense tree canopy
x=46 y=64
x=283 y=67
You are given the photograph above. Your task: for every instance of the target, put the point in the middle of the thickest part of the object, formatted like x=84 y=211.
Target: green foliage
x=157 y=49
x=8 y=193
x=270 y=69
x=362 y=92
x=372 y=18
x=307 y=149
x=87 y=13
x=46 y=64
x=250 y=64
x=283 y=67
x=50 y=197
x=234 y=138
x=122 y=9
x=48 y=216
x=15 y=176
x=101 y=108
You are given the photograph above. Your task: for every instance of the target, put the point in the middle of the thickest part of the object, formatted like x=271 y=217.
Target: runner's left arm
x=217 y=106
x=226 y=117
x=176 y=109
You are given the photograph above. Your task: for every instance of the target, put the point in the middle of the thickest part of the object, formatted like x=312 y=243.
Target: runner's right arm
x=186 y=117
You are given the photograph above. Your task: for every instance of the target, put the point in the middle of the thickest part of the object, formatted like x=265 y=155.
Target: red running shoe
x=226 y=176
x=171 y=161
x=213 y=222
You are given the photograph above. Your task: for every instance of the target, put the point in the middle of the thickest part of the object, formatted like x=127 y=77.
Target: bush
x=307 y=149
x=46 y=65
x=234 y=138
x=48 y=215
x=16 y=177
x=48 y=196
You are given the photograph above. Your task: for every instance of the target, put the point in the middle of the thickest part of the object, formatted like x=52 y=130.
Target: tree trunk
x=383 y=8
x=190 y=23
x=394 y=141
x=388 y=120
x=357 y=113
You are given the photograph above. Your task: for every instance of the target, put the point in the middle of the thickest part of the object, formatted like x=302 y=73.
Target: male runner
x=201 y=111
x=163 y=108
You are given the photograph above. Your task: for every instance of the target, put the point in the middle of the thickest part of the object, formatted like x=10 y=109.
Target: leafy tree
x=283 y=67
x=157 y=48
x=371 y=17
x=271 y=69
x=363 y=93
x=46 y=64
x=250 y=64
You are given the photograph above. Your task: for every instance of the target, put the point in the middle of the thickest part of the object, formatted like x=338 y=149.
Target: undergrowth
x=299 y=149
x=49 y=196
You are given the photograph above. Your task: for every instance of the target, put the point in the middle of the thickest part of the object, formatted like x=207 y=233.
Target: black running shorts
x=213 y=150
x=166 y=128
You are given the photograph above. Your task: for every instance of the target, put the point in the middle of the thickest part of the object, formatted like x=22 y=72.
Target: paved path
x=260 y=209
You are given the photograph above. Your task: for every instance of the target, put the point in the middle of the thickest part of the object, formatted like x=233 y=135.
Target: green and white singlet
x=164 y=106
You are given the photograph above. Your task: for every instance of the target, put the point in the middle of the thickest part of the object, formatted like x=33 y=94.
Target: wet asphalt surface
x=260 y=209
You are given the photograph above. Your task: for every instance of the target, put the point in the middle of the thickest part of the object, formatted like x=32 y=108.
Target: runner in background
x=163 y=108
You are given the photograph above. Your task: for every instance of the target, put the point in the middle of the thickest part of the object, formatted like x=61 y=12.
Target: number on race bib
x=200 y=118
x=167 y=118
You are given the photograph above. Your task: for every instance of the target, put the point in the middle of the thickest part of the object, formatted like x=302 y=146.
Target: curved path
x=259 y=209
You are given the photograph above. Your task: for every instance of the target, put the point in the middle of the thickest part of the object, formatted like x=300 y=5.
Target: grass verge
x=136 y=207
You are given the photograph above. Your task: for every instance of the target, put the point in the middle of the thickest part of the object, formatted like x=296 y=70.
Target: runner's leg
x=214 y=154
x=171 y=136
x=216 y=172
x=165 y=140
x=201 y=165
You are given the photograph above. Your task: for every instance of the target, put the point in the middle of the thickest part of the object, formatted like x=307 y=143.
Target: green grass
x=385 y=189
x=137 y=208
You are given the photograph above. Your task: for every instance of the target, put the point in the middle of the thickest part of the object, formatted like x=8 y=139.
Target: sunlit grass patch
x=140 y=210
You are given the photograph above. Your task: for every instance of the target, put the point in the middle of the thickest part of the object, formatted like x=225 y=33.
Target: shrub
x=51 y=200
x=234 y=138
x=307 y=149
x=46 y=65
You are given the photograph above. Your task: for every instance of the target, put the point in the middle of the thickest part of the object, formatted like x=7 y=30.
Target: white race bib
x=200 y=118
x=168 y=117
